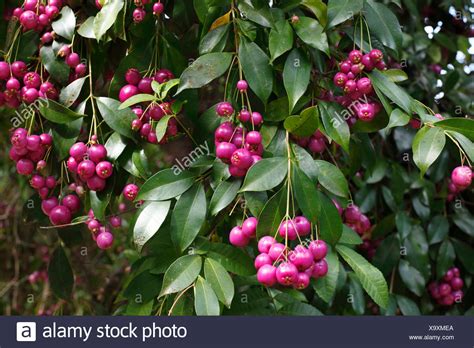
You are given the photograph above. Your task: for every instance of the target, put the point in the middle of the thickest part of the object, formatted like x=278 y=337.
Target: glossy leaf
x=119 y=120
x=332 y=179
x=165 y=185
x=427 y=146
x=106 y=17
x=182 y=273
x=330 y=223
x=219 y=280
x=280 y=39
x=341 y=10
x=70 y=93
x=265 y=174
x=150 y=217
x=224 y=194
x=205 y=299
x=312 y=33
x=60 y=274
x=65 y=25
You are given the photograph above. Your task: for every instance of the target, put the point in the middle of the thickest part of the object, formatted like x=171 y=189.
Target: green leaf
x=189 y=214
x=398 y=119
x=60 y=274
x=255 y=201
x=165 y=185
x=204 y=69
x=57 y=113
x=466 y=144
x=445 y=259
x=106 y=17
x=296 y=74
x=387 y=254
x=145 y=286
x=357 y=294
x=58 y=70
x=306 y=194
x=205 y=299
x=319 y=8
x=70 y=93
x=99 y=202
x=332 y=179
x=330 y=223
x=265 y=174
x=257 y=69
x=464 y=220
x=224 y=194
x=407 y=306
x=464 y=126
x=137 y=99
x=150 y=217
x=341 y=10
x=371 y=278
x=272 y=213
x=232 y=259
x=119 y=120
x=305 y=124
x=87 y=28
x=325 y=287
x=181 y=274
x=65 y=135
x=349 y=236
x=412 y=278
x=465 y=254
x=115 y=145
x=427 y=146
x=219 y=280
x=383 y=24
x=215 y=40
x=260 y=15
x=305 y=162
x=280 y=39
x=334 y=124
x=312 y=33
x=396 y=75
x=162 y=126
x=438 y=229
x=65 y=25
x=391 y=90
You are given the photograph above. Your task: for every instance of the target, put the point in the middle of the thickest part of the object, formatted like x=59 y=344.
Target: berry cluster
x=448 y=291
x=461 y=179
x=316 y=143
x=73 y=60
x=240 y=236
x=295 y=268
x=139 y=12
x=17 y=84
x=33 y=15
x=148 y=113
x=101 y=234
x=356 y=87
x=60 y=213
x=89 y=163
x=28 y=151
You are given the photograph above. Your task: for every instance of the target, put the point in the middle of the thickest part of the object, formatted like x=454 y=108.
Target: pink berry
x=224 y=109
x=256 y=118
x=95 y=183
x=375 y=55
x=366 y=112
x=60 y=215
x=86 y=169
x=19 y=69
x=444 y=289
x=287 y=229
x=249 y=227
x=286 y=273
x=462 y=176
x=30 y=95
x=24 y=167
x=37 y=181
x=225 y=150
x=115 y=221
x=130 y=192
x=319 y=249
x=262 y=259
x=340 y=79
x=352 y=214
x=46 y=139
x=277 y=251
x=302 y=281
x=303 y=226
x=105 y=240
x=320 y=269
x=72 y=164
x=457 y=283
x=242 y=85
x=158 y=8
x=301 y=257
x=4 y=70
x=355 y=56
x=265 y=243
x=97 y=153
x=241 y=158
x=93 y=225
x=104 y=169
x=144 y=86
x=138 y=15
x=266 y=275
x=253 y=138
x=48 y=204
x=364 y=85
x=78 y=151
x=350 y=86
x=71 y=202
x=237 y=237
x=133 y=76
x=244 y=115
x=80 y=69
x=33 y=142
x=367 y=62
x=32 y=80
x=29 y=20
x=51 y=182
x=127 y=91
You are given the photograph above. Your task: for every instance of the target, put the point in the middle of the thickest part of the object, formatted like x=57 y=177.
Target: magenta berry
x=60 y=215
x=242 y=85
x=265 y=243
x=320 y=269
x=48 y=204
x=253 y=138
x=97 y=153
x=115 y=221
x=144 y=86
x=37 y=181
x=319 y=249
x=29 y=20
x=256 y=118
x=78 y=151
x=25 y=167
x=130 y=192
x=104 y=169
x=241 y=158
x=249 y=227
x=355 y=56
x=133 y=76
x=158 y=8
x=462 y=177
x=266 y=275
x=71 y=202
x=340 y=79
x=302 y=225
x=376 y=55
x=366 y=112
x=287 y=229
x=86 y=169
x=237 y=237
x=127 y=91
x=302 y=281
x=224 y=109
x=105 y=240
x=277 y=251
x=138 y=15
x=286 y=273
x=261 y=260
